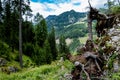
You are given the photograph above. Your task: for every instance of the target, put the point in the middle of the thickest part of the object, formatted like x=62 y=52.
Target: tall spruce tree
x=20 y=34
x=11 y=20
x=38 y=18
x=41 y=33
x=52 y=41
x=63 y=49
x=28 y=32
x=7 y=23
x=48 y=54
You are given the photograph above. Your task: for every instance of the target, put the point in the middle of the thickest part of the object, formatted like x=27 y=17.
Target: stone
x=67 y=76
x=3 y=62
x=76 y=63
x=116 y=66
x=115 y=38
x=61 y=59
x=12 y=69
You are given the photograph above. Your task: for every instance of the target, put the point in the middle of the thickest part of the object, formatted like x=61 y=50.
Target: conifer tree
x=48 y=54
x=63 y=49
x=41 y=33
x=52 y=42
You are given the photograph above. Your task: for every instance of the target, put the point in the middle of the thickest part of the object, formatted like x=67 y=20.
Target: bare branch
x=89 y=4
x=97 y=65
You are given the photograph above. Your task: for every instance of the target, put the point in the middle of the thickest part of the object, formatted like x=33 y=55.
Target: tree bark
x=20 y=34
x=90 y=34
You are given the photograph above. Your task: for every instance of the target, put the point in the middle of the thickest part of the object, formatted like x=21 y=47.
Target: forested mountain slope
x=71 y=21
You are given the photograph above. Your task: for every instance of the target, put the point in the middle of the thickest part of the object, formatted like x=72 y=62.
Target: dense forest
x=38 y=40
x=38 y=43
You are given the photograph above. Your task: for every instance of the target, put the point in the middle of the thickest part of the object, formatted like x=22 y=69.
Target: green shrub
x=39 y=55
x=28 y=49
x=115 y=76
x=5 y=50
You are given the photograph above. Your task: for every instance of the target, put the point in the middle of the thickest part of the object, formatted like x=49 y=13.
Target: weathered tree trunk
x=20 y=35
x=90 y=34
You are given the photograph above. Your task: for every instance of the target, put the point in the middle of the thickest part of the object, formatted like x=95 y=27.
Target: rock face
x=5 y=68
x=3 y=62
x=115 y=38
x=115 y=41
x=9 y=69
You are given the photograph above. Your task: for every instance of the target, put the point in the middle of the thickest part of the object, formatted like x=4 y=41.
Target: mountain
x=64 y=19
x=69 y=21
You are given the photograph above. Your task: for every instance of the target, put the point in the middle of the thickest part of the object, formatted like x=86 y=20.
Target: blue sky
x=56 y=7
x=51 y=1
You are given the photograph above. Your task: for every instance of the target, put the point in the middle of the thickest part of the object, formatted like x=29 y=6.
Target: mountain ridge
x=64 y=19
x=71 y=24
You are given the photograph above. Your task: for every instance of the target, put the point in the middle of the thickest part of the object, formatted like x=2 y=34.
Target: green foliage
x=74 y=31
x=39 y=55
x=7 y=24
x=45 y=72
x=64 y=19
x=67 y=23
x=14 y=30
x=42 y=55
x=38 y=18
x=27 y=62
x=28 y=49
x=109 y=4
x=41 y=33
x=111 y=60
x=116 y=9
x=35 y=43
x=75 y=43
x=62 y=44
x=103 y=10
x=115 y=76
x=48 y=54
x=63 y=49
x=52 y=42
x=4 y=50
x=9 y=17
x=28 y=32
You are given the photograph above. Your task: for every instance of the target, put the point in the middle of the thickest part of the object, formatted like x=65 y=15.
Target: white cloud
x=62 y=7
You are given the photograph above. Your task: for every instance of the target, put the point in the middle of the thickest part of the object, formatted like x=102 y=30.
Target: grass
x=45 y=72
x=84 y=39
x=52 y=71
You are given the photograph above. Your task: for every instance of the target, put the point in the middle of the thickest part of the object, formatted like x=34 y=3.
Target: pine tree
x=38 y=18
x=52 y=42
x=63 y=49
x=39 y=56
x=28 y=32
x=48 y=54
x=41 y=33
x=7 y=23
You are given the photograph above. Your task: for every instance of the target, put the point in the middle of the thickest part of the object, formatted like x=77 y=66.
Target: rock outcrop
x=3 y=62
